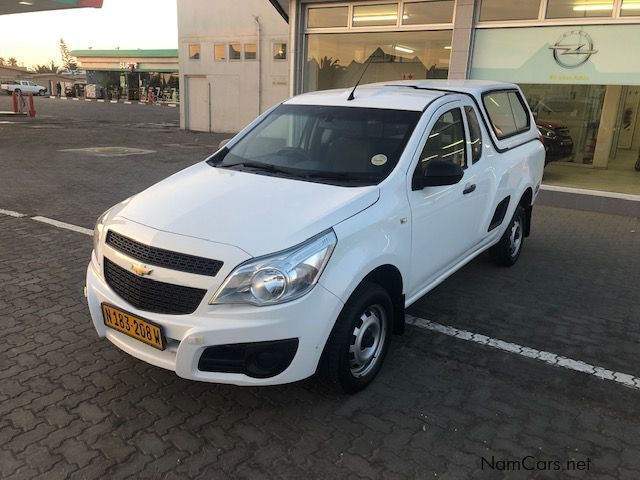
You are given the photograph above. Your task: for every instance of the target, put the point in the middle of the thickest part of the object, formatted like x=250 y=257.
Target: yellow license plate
x=134 y=326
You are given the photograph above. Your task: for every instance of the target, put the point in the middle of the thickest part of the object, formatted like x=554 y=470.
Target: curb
x=125 y=102
x=589 y=200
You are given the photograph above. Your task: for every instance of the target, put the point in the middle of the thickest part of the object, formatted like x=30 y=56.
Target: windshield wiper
x=257 y=166
x=346 y=176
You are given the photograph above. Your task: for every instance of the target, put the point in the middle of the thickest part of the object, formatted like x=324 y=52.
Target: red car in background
x=556 y=138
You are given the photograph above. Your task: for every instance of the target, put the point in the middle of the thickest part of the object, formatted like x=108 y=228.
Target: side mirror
x=224 y=142
x=436 y=174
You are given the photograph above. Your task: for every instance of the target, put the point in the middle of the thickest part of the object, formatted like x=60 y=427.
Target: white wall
x=238 y=92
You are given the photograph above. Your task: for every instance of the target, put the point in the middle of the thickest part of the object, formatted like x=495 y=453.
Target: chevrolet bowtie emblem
x=141 y=270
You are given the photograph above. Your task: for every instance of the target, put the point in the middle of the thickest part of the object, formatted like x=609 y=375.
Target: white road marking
x=11 y=213
x=67 y=226
x=546 y=357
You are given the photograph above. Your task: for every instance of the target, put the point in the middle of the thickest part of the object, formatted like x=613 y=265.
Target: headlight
x=280 y=277
x=98 y=233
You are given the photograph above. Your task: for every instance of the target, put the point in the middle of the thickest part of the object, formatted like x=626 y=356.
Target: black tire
x=42 y=93
x=637 y=166
x=18 y=91
x=507 y=251
x=339 y=366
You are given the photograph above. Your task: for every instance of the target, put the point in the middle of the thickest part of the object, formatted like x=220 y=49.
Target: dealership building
x=576 y=61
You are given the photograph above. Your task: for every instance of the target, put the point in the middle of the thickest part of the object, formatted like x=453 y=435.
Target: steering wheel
x=295 y=152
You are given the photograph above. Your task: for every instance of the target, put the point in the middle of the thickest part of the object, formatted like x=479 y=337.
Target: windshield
x=339 y=145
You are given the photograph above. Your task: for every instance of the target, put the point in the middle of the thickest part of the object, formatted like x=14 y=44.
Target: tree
x=50 y=68
x=1 y=60
x=13 y=62
x=68 y=61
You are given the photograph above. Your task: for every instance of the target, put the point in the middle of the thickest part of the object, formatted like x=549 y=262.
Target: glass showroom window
x=579 y=8
x=333 y=61
x=434 y=11
x=250 y=51
x=574 y=113
x=630 y=8
x=234 y=51
x=375 y=15
x=220 y=52
x=279 y=51
x=504 y=10
x=327 y=17
x=194 y=51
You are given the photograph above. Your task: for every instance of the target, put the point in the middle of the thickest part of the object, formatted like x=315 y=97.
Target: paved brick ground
x=73 y=406
x=76 y=187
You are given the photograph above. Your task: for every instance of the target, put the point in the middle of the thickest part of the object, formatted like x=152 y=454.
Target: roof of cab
x=398 y=95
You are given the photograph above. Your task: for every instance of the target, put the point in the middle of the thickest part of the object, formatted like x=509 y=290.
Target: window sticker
x=378 y=160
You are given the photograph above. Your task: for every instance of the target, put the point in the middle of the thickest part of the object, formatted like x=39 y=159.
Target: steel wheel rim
x=515 y=238
x=367 y=340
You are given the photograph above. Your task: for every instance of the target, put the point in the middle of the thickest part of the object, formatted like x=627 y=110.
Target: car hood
x=258 y=213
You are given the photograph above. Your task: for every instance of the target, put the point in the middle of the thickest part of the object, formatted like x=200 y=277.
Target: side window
x=506 y=112
x=234 y=51
x=475 y=134
x=219 y=52
x=520 y=114
x=446 y=141
x=194 y=51
x=279 y=51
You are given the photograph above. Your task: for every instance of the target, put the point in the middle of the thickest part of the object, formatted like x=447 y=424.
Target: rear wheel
x=507 y=251
x=359 y=340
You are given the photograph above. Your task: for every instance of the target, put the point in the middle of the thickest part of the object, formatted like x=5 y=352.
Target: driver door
x=444 y=218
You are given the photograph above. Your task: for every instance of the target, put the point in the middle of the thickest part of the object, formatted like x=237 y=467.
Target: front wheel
x=359 y=340
x=507 y=251
x=42 y=93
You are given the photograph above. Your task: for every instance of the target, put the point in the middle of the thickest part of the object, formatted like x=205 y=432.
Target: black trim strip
x=501 y=211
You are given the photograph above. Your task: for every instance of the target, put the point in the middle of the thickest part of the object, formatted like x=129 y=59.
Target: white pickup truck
x=296 y=247
x=23 y=86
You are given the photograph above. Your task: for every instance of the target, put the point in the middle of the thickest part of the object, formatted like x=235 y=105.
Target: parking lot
x=74 y=406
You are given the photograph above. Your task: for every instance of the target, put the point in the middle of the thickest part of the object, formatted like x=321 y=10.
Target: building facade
x=233 y=62
x=576 y=61
x=132 y=74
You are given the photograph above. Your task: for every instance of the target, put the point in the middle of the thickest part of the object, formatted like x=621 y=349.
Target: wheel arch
x=526 y=200
x=389 y=277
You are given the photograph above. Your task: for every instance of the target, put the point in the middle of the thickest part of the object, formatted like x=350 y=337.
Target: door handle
x=469 y=188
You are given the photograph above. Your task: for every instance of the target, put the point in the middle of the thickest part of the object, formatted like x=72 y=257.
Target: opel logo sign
x=573 y=49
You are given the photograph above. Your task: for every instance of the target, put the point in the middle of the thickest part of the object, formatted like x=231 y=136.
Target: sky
x=33 y=38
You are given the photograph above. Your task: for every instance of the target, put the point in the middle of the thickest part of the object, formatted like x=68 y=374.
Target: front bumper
x=309 y=319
